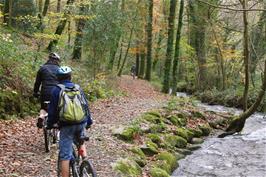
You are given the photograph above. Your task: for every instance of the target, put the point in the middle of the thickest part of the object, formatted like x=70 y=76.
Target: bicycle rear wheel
x=87 y=169
x=47 y=139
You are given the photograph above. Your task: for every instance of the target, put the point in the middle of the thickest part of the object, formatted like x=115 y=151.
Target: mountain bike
x=50 y=136
x=80 y=166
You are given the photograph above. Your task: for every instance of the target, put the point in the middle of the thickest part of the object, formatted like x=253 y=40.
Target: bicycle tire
x=87 y=168
x=46 y=140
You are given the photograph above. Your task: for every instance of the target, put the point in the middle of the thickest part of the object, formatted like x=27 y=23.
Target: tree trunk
x=125 y=57
x=177 y=46
x=10 y=7
x=246 y=55
x=149 y=42
x=79 y=35
x=40 y=6
x=169 y=50
x=221 y=56
x=60 y=28
x=238 y=123
x=113 y=52
x=58 y=7
x=137 y=61
x=157 y=50
x=120 y=55
x=197 y=35
x=45 y=8
x=142 y=62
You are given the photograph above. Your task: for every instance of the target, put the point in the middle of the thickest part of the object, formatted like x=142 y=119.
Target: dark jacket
x=53 y=112
x=46 y=78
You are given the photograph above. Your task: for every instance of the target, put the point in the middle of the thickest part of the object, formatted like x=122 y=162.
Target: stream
x=240 y=155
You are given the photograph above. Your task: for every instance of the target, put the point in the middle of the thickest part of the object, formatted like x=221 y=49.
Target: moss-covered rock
x=127 y=167
x=157 y=172
x=184 y=133
x=138 y=151
x=139 y=156
x=175 y=141
x=150 y=148
x=206 y=129
x=126 y=133
x=174 y=120
x=183 y=151
x=153 y=118
x=155 y=138
x=162 y=164
x=155 y=113
x=198 y=114
x=196 y=132
x=193 y=147
x=158 y=128
x=196 y=141
x=169 y=158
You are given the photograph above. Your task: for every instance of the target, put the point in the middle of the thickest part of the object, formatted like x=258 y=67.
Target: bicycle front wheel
x=87 y=170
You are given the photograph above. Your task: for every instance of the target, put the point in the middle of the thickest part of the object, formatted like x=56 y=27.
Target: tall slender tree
x=177 y=45
x=61 y=26
x=80 y=24
x=169 y=50
x=149 y=41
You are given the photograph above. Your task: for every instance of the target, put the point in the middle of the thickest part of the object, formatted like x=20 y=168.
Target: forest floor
x=22 y=145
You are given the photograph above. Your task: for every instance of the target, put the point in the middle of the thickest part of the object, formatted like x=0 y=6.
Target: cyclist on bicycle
x=133 y=71
x=46 y=78
x=68 y=131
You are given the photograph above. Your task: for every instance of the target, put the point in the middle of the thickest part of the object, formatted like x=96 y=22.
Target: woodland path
x=21 y=143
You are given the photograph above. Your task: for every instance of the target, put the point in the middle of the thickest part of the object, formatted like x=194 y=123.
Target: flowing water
x=241 y=155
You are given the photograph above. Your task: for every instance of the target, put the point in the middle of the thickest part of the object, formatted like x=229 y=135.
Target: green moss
x=162 y=164
x=154 y=113
x=184 y=133
x=155 y=138
x=196 y=132
x=150 y=148
x=126 y=134
x=198 y=114
x=175 y=141
x=127 y=167
x=169 y=158
x=152 y=118
x=157 y=172
x=206 y=129
x=138 y=151
x=158 y=128
x=174 y=120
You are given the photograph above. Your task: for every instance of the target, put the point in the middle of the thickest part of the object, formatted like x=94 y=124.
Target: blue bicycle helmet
x=63 y=71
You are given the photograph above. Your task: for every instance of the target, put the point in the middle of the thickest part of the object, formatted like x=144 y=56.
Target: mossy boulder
x=139 y=156
x=162 y=164
x=197 y=114
x=158 y=172
x=183 y=151
x=197 y=141
x=206 y=129
x=127 y=167
x=158 y=128
x=155 y=113
x=196 y=132
x=170 y=158
x=178 y=119
x=126 y=133
x=175 y=141
x=152 y=117
x=150 y=148
x=155 y=138
x=193 y=147
x=184 y=133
